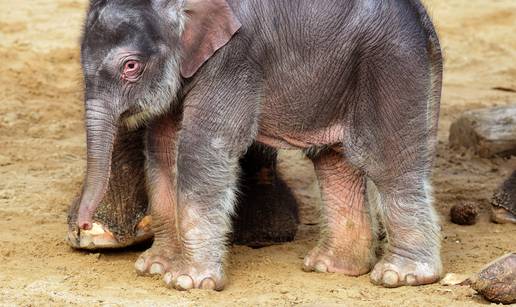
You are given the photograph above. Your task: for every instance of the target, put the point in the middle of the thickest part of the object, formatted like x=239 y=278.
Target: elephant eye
x=132 y=70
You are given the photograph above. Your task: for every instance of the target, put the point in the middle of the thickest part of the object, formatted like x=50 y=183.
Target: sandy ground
x=42 y=159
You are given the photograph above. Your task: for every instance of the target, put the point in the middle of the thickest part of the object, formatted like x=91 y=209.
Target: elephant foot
x=100 y=237
x=502 y=216
x=395 y=271
x=503 y=202
x=328 y=261
x=179 y=273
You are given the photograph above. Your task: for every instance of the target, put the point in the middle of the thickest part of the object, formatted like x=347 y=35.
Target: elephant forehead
x=117 y=23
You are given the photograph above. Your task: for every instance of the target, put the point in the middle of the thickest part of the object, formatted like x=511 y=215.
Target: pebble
x=464 y=214
x=452 y=279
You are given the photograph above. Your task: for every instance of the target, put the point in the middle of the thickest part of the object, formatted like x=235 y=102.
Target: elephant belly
x=330 y=135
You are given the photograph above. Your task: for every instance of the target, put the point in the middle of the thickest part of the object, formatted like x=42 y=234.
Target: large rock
x=497 y=280
x=489 y=132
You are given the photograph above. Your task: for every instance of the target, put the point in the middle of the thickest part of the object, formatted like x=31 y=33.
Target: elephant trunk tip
x=85 y=216
x=84 y=225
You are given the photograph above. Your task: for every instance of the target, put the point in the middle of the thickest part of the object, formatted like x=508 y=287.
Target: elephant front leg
x=346 y=245
x=207 y=194
x=192 y=227
x=161 y=140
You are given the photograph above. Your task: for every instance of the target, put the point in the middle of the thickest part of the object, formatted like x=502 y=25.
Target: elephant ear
x=210 y=26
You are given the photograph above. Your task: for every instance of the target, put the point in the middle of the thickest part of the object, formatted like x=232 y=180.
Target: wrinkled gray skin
x=356 y=84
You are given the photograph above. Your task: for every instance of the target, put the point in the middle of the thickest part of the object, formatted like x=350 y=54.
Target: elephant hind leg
x=412 y=254
x=391 y=138
x=399 y=165
x=347 y=239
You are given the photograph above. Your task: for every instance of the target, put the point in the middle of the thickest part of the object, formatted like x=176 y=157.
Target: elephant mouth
x=134 y=119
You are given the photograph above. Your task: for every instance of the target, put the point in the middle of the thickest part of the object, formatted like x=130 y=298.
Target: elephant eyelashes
x=132 y=70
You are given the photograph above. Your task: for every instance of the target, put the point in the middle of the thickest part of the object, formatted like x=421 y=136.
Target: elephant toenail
x=168 y=278
x=306 y=265
x=321 y=267
x=208 y=284
x=411 y=280
x=140 y=265
x=156 y=268
x=390 y=278
x=184 y=282
x=375 y=277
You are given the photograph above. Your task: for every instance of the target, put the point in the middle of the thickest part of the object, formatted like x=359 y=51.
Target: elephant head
x=135 y=56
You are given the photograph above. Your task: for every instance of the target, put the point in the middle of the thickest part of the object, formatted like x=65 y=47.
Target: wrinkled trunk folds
x=101 y=132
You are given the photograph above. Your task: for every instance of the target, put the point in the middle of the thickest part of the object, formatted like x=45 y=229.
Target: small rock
x=452 y=279
x=488 y=132
x=497 y=281
x=464 y=214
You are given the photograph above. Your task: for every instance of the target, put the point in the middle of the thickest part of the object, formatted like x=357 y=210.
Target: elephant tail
x=436 y=70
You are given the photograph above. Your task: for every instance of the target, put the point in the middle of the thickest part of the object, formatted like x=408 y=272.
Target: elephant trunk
x=101 y=130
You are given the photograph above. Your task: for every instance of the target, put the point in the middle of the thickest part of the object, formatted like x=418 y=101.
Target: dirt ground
x=42 y=159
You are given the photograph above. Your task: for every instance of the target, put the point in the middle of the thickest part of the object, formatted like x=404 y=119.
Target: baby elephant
x=354 y=83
